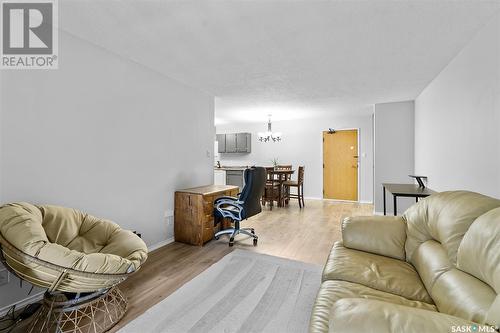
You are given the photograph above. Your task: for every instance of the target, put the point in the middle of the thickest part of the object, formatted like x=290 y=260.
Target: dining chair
x=285 y=177
x=283 y=167
x=299 y=184
x=271 y=189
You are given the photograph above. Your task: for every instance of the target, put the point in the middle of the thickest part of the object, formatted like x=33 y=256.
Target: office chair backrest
x=255 y=181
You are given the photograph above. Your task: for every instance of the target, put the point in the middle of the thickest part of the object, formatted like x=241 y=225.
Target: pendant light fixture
x=269 y=135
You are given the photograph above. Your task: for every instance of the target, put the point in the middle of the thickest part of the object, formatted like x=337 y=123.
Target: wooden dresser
x=193 y=215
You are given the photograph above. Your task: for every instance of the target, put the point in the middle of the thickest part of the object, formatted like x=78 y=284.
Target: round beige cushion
x=68 y=238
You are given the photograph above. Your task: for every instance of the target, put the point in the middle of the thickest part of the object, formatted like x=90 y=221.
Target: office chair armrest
x=225 y=198
x=230 y=213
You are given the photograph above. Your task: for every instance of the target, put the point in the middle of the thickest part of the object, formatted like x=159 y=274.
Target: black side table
x=405 y=190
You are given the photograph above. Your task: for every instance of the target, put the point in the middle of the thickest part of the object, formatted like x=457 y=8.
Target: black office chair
x=243 y=207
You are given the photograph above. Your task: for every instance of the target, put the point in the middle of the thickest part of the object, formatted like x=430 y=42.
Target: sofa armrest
x=384 y=235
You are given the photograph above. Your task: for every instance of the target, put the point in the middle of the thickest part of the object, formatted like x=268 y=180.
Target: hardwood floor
x=305 y=235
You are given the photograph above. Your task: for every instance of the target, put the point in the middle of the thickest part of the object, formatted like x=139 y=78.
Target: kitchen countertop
x=231 y=168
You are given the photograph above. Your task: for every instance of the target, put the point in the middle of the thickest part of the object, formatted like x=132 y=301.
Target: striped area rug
x=243 y=292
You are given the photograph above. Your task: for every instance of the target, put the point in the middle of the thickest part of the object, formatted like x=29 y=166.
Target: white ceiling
x=290 y=58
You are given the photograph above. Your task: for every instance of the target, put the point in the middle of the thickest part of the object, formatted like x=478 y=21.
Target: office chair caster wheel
x=252 y=231
x=216 y=237
x=231 y=241
x=255 y=242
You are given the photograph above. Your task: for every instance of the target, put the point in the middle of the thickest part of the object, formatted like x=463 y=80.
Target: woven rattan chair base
x=92 y=314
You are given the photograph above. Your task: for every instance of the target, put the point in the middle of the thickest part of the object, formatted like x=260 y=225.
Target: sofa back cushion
x=479 y=255
x=479 y=251
x=451 y=240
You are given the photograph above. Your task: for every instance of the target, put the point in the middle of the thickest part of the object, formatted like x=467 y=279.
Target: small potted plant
x=275 y=162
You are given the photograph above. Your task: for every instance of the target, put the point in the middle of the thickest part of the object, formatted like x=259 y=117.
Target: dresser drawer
x=208 y=204
x=208 y=220
x=208 y=233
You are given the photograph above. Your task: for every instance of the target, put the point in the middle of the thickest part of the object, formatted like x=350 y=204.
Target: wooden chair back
x=271 y=189
x=284 y=167
x=269 y=175
x=300 y=176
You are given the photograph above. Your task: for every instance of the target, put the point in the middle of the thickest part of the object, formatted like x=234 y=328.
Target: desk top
x=412 y=190
x=209 y=189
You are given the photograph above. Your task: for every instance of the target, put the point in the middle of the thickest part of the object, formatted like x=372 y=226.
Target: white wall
x=457 y=119
x=1 y=98
x=104 y=135
x=394 y=150
x=302 y=145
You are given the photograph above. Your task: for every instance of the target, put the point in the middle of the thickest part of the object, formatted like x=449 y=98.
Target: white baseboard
x=160 y=244
x=378 y=213
x=312 y=198
x=366 y=202
x=19 y=304
x=336 y=200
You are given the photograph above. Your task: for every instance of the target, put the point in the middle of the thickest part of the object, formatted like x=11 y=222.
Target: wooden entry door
x=340 y=165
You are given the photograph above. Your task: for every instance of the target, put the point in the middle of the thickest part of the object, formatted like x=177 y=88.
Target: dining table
x=280 y=176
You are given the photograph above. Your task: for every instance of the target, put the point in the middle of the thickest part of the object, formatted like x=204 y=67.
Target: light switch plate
x=4 y=277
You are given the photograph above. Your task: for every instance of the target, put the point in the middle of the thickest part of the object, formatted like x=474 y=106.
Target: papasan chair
x=79 y=258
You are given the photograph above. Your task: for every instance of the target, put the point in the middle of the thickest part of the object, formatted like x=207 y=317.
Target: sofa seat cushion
x=333 y=290
x=355 y=315
x=375 y=271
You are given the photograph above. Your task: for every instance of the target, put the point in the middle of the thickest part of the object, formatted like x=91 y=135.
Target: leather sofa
x=434 y=269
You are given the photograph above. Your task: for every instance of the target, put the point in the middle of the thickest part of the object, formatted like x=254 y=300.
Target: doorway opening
x=340 y=165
